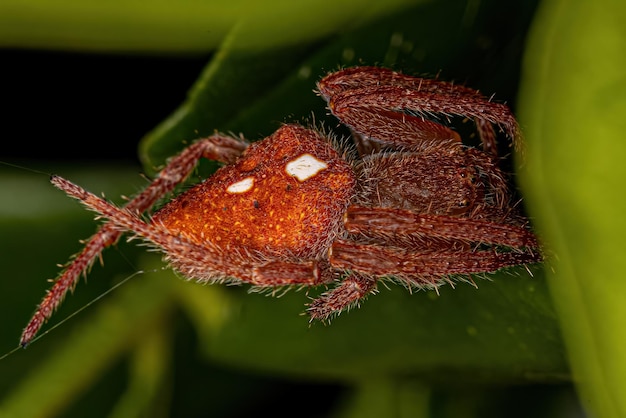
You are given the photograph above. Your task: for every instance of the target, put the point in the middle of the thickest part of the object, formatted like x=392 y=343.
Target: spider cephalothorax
x=413 y=204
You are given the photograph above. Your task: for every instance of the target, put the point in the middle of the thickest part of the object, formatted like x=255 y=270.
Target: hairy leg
x=347 y=294
x=384 y=222
x=423 y=268
x=217 y=147
x=365 y=98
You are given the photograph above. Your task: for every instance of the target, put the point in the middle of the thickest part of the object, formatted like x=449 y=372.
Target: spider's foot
x=348 y=294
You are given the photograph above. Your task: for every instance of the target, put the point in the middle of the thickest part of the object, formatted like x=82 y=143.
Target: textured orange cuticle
x=301 y=213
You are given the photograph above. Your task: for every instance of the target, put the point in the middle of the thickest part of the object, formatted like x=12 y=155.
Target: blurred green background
x=87 y=85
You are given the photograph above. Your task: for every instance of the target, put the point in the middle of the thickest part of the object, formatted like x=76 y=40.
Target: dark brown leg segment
x=351 y=290
x=422 y=267
x=217 y=147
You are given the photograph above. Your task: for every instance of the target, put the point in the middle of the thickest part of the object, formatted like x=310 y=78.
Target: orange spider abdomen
x=285 y=196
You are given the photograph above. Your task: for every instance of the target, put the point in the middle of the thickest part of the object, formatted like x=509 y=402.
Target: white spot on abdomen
x=305 y=166
x=241 y=186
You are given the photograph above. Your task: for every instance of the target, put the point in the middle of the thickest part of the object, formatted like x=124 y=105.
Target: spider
x=407 y=202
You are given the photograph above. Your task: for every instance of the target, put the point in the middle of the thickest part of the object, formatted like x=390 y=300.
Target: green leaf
x=505 y=331
x=93 y=347
x=385 y=398
x=179 y=27
x=573 y=107
x=35 y=218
